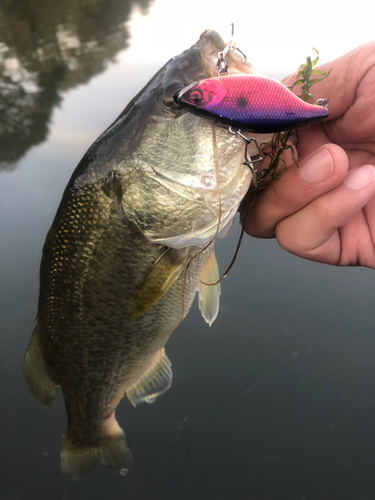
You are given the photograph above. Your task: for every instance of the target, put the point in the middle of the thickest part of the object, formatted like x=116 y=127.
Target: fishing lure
x=256 y=103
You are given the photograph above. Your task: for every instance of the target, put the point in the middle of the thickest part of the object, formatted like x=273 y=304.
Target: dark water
x=274 y=401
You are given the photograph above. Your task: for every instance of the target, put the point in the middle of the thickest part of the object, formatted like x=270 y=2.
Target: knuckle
x=323 y=210
x=288 y=236
x=276 y=196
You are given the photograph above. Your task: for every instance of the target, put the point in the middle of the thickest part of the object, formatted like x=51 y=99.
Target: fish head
x=180 y=169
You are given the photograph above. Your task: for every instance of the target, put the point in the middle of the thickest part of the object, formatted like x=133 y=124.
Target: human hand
x=325 y=210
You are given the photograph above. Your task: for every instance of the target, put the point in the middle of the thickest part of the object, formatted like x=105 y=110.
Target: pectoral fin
x=209 y=296
x=158 y=281
x=156 y=380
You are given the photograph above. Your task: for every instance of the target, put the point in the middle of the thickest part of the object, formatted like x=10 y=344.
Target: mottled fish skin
x=145 y=189
x=253 y=102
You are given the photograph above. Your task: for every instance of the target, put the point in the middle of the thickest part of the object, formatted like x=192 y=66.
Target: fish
x=131 y=244
x=253 y=102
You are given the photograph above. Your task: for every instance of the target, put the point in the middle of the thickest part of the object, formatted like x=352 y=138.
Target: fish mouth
x=210 y=44
x=180 y=93
x=198 y=63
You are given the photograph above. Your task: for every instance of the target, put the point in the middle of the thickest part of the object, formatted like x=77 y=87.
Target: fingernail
x=360 y=178
x=318 y=168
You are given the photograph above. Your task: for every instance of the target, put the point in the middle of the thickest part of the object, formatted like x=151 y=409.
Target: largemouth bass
x=127 y=251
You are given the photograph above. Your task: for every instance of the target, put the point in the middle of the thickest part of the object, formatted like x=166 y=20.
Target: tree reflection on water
x=47 y=48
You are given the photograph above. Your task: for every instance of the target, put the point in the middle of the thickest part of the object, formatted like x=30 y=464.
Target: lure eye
x=196 y=97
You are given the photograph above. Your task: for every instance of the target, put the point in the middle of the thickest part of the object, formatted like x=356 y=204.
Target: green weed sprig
x=304 y=75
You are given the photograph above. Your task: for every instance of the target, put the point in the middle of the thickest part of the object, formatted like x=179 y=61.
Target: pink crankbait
x=255 y=103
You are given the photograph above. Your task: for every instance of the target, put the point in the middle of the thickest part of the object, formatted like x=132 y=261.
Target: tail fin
x=78 y=459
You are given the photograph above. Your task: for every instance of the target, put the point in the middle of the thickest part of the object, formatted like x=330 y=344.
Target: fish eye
x=196 y=97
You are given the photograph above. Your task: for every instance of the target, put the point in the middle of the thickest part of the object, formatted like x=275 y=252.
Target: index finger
x=318 y=174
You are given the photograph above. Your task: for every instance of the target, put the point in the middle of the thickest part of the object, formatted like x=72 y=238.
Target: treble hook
x=248 y=158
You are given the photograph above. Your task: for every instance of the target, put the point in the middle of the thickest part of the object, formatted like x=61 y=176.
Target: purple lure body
x=252 y=102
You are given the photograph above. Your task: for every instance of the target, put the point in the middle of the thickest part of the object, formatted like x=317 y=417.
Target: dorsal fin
x=39 y=383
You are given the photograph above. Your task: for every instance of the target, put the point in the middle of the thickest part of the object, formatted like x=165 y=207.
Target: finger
x=319 y=173
x=313 y=233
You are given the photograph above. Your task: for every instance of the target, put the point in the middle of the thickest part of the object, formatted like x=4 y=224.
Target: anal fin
x=156 y=380
x=39 y=383
x=209 y=296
